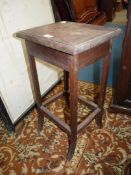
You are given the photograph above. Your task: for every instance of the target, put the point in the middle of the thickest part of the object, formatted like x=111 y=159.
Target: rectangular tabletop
x=69 y=37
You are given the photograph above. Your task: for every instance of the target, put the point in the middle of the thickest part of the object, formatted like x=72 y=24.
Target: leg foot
x=40 y=121
x=98 y=120
x=71 y=150
x=73 y=112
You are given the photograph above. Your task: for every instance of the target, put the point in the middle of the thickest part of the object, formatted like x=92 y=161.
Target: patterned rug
x=103 y=151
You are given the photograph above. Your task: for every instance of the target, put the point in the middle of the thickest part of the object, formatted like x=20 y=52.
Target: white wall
x=15 y=88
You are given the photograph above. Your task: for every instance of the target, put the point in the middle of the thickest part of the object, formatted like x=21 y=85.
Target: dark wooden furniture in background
x=108 y=6
x=70 y=46
x=84 y=11
x=122 y=94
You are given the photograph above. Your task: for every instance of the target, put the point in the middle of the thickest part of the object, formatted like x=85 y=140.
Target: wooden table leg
x=103 y=84
x=66 y=95
x=36 y=88
x=73 y=112
x=66 y=86
x=66 y=81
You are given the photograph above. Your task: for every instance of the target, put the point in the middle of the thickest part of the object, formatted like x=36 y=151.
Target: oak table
x=70 y=46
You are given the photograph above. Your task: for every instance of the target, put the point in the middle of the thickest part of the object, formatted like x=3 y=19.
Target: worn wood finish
x=66 y=81
x=66 y=87
x=51 y=56
x=89 y=103
x=93 y=56
x=103 y=87
x=89 y=118
x=69 y=37
x=73 y=107
x=83 y=45
x=36 y=88
x=52 y=99
x=56 y=120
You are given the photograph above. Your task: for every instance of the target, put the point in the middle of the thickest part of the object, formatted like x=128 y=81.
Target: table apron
x=64 y=60
x=50 y=55
x=91 y=56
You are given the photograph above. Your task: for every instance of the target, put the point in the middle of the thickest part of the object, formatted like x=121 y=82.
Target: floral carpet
x=105 y=151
